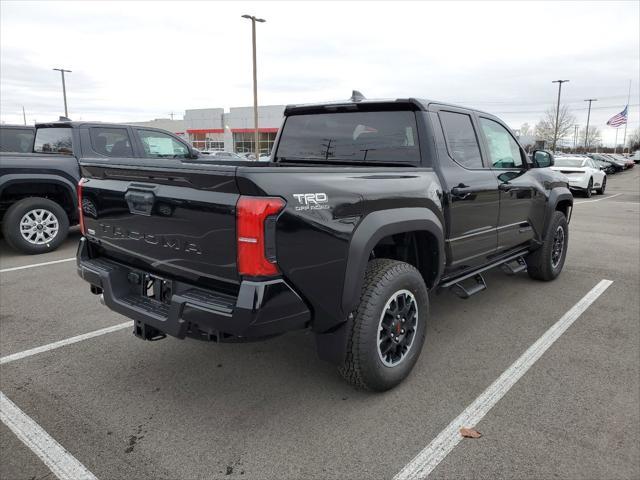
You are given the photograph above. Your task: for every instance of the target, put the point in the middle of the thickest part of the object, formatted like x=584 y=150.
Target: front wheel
x=388 y=328
x=600 y=191
x=35 y=225
x=546 y=263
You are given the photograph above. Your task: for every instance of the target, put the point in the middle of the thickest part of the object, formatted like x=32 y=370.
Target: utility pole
x=171 y=115
x=575 y=137
x=64 y=89
x=586 y=132
x=255 y=81
x=24 y=116
x=555 y=133
x=624 y=140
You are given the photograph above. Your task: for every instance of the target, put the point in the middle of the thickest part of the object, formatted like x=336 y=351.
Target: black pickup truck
x=39 y=172
x=364 y=208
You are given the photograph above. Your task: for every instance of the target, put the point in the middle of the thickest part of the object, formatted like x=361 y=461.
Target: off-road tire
x=600 y=191
x=539 y=262
x=13 y=216
x=363 y=366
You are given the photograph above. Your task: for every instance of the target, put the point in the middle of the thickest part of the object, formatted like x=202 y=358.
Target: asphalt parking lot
x=128 y=409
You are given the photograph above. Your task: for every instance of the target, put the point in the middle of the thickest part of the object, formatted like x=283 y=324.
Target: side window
x=161 y=145
x=503 y=149
x=111 y=142
x=16 y=140
x=53 y=140
x=461 y=139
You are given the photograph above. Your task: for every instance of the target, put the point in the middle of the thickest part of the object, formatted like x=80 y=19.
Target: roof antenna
x=356 y=96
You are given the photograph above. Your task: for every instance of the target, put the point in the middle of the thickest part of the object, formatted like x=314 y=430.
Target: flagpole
x=624 y=140
x=615 y=145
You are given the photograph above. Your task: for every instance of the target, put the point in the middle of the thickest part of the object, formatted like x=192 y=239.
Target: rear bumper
x=261 y=308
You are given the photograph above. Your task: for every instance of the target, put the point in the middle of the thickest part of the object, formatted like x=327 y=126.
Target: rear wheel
x=589 y=190
x=546 y=263
x=600 y=191
x=35 y=225
x=388 y=328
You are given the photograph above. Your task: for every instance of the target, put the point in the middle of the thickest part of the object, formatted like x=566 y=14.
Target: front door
x=516 y=184
x=470 y=190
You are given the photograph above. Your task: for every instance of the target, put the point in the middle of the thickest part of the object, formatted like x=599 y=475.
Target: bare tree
x=545 y=128
x=595 y=137
x=633 y=140
x=525 y=130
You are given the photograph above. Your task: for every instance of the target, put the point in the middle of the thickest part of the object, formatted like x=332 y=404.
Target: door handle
x=462 y=191
x=505 y=187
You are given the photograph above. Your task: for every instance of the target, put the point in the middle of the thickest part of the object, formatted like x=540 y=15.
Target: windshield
x=53 y=140
x=351 y=137
x=569 y=162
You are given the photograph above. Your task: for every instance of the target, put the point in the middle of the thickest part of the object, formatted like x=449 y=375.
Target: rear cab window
x=350 y=137
x=16 y=140
x=111 y=141
x=53 y=140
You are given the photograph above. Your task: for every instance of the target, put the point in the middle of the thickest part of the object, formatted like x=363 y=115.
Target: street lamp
x=586 y=132
x=255 y=81
x=64 y=89
x=555 y=133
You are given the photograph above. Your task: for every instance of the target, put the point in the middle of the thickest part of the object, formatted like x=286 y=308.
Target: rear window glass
x=569 y=162
x=111 y=142
x=19 y=140
x=351 y=137
x=53 y=140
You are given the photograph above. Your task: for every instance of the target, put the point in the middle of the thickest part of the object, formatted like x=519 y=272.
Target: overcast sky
x=139 y=61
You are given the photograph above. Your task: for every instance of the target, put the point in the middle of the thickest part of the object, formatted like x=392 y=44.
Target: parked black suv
x=39 y=172
x=366 y=206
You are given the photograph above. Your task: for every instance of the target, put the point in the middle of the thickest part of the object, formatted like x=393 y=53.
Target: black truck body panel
x=175 y=220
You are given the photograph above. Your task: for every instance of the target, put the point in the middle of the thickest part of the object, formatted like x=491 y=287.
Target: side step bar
x=511 y=265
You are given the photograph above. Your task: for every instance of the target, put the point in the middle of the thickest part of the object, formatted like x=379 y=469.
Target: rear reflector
x=256 y=246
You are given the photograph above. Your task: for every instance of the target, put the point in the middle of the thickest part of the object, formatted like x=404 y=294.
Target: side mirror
x=193 y=152
x=542 y=159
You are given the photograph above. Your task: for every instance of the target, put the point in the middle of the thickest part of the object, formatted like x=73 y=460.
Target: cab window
x=462 y=142
x=111 y=142
x=504 y=151
x=161 y=145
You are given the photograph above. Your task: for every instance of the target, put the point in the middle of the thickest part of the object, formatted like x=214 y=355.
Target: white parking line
x=33 y=265
x=62 y=343
x=55 y=456
x=598 y=200
x=429 y=458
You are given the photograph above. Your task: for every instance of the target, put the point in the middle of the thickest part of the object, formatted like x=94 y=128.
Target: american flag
x=619 y=119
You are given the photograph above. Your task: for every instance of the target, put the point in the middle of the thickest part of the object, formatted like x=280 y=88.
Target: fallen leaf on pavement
x=470 y=433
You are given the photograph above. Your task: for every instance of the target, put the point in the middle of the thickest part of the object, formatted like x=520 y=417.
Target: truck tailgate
x=175 y=222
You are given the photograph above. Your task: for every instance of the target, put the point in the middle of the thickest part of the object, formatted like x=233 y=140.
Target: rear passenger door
x=470 y=190
x=518 y=187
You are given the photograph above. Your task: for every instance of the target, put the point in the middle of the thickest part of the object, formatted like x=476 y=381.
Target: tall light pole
x=255 y=81
x=555 y=133
x=586 y=132
x=575 y=137
x=64 y=89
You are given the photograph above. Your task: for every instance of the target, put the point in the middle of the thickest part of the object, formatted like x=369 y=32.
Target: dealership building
x=214 y=129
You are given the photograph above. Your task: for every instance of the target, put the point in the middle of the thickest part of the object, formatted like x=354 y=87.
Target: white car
x=583 y=174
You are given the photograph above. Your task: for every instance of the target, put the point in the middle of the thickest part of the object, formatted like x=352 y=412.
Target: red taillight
x=255 y=224
x=80 y=213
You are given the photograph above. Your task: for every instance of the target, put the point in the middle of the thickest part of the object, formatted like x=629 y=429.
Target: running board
x=465 y=292
x=480 y=284
x=514 y=266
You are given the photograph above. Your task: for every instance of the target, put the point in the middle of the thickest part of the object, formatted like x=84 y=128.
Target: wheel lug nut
x=402 y=331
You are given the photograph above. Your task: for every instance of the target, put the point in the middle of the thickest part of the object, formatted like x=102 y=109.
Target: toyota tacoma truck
x=39 y=173
x=365 y=207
